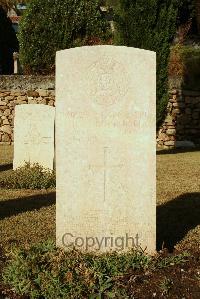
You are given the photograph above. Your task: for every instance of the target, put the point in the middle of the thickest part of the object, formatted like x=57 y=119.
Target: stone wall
x=17 y=90
x=20 y=82
x=181 y=127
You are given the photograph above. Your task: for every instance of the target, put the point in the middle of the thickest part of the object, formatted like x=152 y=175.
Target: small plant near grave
x=171 y=260
x=166 y=285
x=30 y=177
x=44 y=271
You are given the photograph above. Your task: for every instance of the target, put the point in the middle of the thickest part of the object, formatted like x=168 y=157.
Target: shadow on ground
x=176 y=218
x=177 y=151
x=13 y=207
x=5 y=167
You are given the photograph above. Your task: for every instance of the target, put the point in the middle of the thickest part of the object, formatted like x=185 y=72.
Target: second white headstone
x=34 y=135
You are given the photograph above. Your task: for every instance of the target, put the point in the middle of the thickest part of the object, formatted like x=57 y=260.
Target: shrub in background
x=191 y=60
x=176 y=67
x=52 y=25
x=30 y=177
x=149 y=25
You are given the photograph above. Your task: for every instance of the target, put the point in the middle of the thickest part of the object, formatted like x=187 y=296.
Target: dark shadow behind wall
x=8 y=44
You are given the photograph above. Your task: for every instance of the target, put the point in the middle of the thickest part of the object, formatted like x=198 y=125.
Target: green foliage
x=191 y=61
x=46 y=271
x=166 y=285
x=149 y=25
x=30 y=177
x=171 y=260
x=184 y=65
x=52 y=25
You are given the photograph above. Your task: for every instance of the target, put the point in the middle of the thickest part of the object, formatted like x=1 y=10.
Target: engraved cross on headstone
x=33 y=136
x=105 y=168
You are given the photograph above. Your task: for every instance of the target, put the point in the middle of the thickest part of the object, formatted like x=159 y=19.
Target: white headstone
x=105 y=148
x=34 y=135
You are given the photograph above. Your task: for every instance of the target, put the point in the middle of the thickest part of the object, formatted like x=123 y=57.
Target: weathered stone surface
x=5 y=138
x=52 y=93
x=32 y=100
x=3 y=107
x=34 y=135
x=51 y=103
x=175 y=111
x=11 y=105
x=41 y=100
x=172 y=100
x=170 y=143
x=169 y=119
x=8 y=98
x=21 y=99
x=176 y=105
x=4 y=93
x=17 y=93
x=43 y=93
x=166 y=147
x=6 y=122
x=171 y=131
x=162 y=136
x=6 y=129
x=33 y=93
x=172 y=137
x=173 y=91
x=105 y=143
x=7 y=112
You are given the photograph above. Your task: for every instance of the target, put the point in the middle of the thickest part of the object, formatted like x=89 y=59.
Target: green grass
x=178 y=199
x=28 y=216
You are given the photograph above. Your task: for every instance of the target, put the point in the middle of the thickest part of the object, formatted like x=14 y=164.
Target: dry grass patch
x=178 y=199
x=29 y=216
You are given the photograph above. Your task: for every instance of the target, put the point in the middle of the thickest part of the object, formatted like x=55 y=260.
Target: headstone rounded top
x=105 y=48
x=33 y=106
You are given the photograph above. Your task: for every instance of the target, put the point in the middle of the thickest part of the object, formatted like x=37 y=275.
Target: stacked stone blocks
x=182 y=122
x=8 y=101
